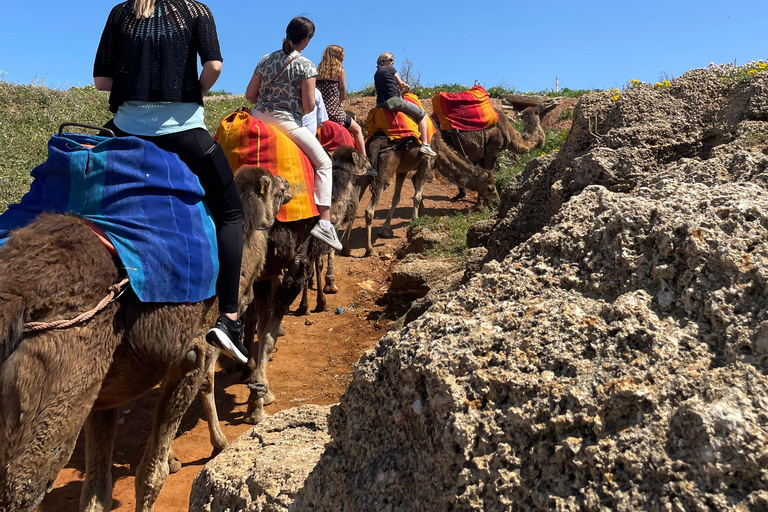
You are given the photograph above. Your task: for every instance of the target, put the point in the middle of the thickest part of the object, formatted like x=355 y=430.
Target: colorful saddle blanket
x=146 y=201
x=333 y=135
x=248 y=141
x=467 y=111
x=397 y=125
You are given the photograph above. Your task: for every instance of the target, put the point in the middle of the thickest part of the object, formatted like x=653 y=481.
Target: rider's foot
x=461 y=195
x=427 y=150
x=371 y=172
x=327 y=235
x=227 y=335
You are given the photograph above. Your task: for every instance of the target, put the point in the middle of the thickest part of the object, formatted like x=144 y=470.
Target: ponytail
x=298 y=29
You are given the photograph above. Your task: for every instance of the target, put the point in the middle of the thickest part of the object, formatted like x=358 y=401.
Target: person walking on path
x=388 y=86
x=282 y=89
x=147 y=60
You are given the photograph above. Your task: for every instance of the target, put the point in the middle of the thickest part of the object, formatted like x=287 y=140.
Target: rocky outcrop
x=611 y=353
x=265 y=467
x=415 y=275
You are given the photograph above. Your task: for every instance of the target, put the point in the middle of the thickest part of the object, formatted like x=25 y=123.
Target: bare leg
x=423 y=130
x=100 y=428
x=357 y=134
x=386 y=230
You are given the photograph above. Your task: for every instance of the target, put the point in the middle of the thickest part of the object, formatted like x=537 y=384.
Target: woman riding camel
x=388 y=85
x=283 y=90
x=331 y=81
x=147 y=59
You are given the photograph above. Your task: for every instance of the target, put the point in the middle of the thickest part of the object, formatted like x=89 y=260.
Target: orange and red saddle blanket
x=467 y=111
x=332 y=135
x=247 y=141
x=397 y=125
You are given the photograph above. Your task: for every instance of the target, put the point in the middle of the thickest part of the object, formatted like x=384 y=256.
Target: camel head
x=531 y=137
x=262 y=196
x=486 y=186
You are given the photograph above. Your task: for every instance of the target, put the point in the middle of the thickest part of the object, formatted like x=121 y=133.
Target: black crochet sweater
x=154 y=59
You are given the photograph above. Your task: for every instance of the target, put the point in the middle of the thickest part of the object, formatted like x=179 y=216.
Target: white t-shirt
x=317 y=117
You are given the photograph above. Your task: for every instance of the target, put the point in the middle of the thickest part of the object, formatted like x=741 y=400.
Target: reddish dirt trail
x=313 y=365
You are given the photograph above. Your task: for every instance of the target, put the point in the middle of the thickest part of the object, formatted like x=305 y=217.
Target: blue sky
x=586 y=45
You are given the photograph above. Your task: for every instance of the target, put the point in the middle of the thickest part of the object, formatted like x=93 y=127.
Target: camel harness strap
x=114 y=291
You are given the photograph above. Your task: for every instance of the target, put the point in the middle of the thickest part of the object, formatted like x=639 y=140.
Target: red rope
x=63 y=324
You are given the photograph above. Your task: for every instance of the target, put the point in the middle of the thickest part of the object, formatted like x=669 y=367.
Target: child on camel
x=388 y=86
x=283 y=90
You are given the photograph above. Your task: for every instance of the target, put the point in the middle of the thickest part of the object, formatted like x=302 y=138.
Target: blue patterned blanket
x=146 y=201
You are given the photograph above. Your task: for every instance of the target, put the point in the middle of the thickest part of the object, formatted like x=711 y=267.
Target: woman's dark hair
x=299 y=28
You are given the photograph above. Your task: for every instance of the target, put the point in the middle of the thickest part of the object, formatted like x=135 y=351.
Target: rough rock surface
x=415 y=275
x=422 y=238
x=266 y=466
x=612 y=355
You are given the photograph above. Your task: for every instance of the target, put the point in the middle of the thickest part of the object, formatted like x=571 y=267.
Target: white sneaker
x=427 y=150
x=327 y=235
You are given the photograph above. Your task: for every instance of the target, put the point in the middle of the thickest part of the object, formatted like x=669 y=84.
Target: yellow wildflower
x=752 y=72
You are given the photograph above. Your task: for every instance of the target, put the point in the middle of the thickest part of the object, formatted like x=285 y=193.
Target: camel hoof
x=345 y=252
x=331 y=288
x=386 y=233
x=174 y=465
x=255 y=417
x=303 y=310
x=368 y=253
x=281 y=331
x=320 y=308
x=269 y=398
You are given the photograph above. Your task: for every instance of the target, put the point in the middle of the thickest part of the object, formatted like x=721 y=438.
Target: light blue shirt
x=159 y=118
x=317 y=117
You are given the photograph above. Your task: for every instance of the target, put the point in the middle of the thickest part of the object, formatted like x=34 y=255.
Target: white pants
x=311 y=147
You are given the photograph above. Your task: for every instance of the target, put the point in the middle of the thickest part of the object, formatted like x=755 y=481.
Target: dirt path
x=313 y=365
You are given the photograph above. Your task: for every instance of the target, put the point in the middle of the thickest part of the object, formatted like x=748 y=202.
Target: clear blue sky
x=524 y=45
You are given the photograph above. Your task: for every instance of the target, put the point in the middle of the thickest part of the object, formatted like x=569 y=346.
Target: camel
x=53 y=382
x=483 y=146
x=399 y=158
x=349 y=168
x=290 y=254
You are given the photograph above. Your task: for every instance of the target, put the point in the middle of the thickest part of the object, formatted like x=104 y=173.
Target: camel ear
x=265 y=183
x=356 y=158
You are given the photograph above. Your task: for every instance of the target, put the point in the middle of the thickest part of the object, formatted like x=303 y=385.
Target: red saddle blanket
x=467 y=111
x=333 y=135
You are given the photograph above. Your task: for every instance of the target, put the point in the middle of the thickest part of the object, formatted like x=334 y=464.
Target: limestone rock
x=266 y=466
x=412 y=277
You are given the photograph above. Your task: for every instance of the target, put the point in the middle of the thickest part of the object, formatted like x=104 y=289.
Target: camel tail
x=11 y=326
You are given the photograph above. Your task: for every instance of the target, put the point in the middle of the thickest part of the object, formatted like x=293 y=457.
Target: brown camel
x=288 y=268
x=401 y=157
x=349 y=168
x=52 y=382
x=483 y=146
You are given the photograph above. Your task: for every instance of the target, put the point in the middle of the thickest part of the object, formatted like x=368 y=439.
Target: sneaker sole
x=219 y=339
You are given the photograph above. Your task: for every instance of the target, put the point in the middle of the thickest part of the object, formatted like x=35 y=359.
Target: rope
x=115 y=289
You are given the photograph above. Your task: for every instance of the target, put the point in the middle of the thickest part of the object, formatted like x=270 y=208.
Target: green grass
x=510 y=164
x=455 y=225
x=496 y=91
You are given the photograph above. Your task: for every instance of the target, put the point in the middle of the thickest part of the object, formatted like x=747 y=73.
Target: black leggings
x=206 y=159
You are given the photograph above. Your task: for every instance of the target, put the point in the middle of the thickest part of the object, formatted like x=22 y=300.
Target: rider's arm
x=209 y=75
x=400 y=83
x=103 y=83
x=342 y=85
x=252 y=91
x=308 y=95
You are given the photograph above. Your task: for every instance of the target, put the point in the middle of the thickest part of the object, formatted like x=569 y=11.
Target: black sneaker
x=371 y=172
x=227 y=336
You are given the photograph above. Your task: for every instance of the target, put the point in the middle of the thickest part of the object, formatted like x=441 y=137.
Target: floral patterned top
x=282 y=97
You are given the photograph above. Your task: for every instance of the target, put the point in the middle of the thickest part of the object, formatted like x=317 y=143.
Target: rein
x=114 y=292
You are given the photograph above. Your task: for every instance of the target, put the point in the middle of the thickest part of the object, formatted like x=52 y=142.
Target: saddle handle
x=102 y=131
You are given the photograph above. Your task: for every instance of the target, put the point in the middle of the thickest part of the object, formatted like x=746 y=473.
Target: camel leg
x=275 y=303
x=178 y=391
x=258 y=385
x=419 y=179
x=345 y=243
x=100 y=428
x=321 y=304
x=330 y=278
x=206 y=394
x=376 y=189
x=386 y=230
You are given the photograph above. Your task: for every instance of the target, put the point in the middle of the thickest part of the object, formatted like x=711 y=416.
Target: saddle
x=247 y=141
x=464 y=111
x=397 y=125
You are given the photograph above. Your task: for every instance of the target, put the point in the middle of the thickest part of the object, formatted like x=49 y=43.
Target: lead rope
x=114 y=291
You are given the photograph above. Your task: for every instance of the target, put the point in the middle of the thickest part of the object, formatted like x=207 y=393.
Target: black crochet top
x=154 y=59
